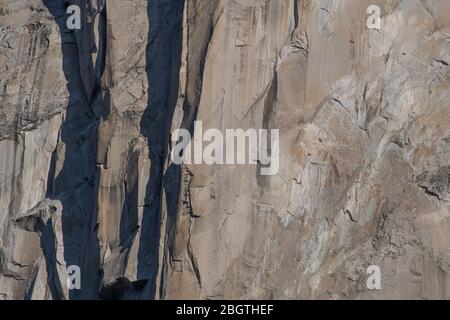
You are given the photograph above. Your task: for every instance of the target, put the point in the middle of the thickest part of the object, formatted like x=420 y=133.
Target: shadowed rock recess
x=86 y=178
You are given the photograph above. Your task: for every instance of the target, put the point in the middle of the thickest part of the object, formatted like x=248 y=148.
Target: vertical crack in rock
x=198 y=25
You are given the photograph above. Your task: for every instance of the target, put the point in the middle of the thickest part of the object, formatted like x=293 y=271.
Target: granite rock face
x=86 y=179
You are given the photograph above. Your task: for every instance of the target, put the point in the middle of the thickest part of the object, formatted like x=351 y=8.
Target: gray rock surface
x=86 y=118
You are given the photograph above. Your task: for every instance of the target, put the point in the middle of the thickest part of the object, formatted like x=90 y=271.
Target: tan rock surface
x=85 y=125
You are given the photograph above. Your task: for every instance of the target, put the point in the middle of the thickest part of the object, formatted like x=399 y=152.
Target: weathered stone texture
x=86 y=179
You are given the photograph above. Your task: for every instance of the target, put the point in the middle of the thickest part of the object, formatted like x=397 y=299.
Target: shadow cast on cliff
x=163 y=64
x=163 y=60
x=75 y=184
